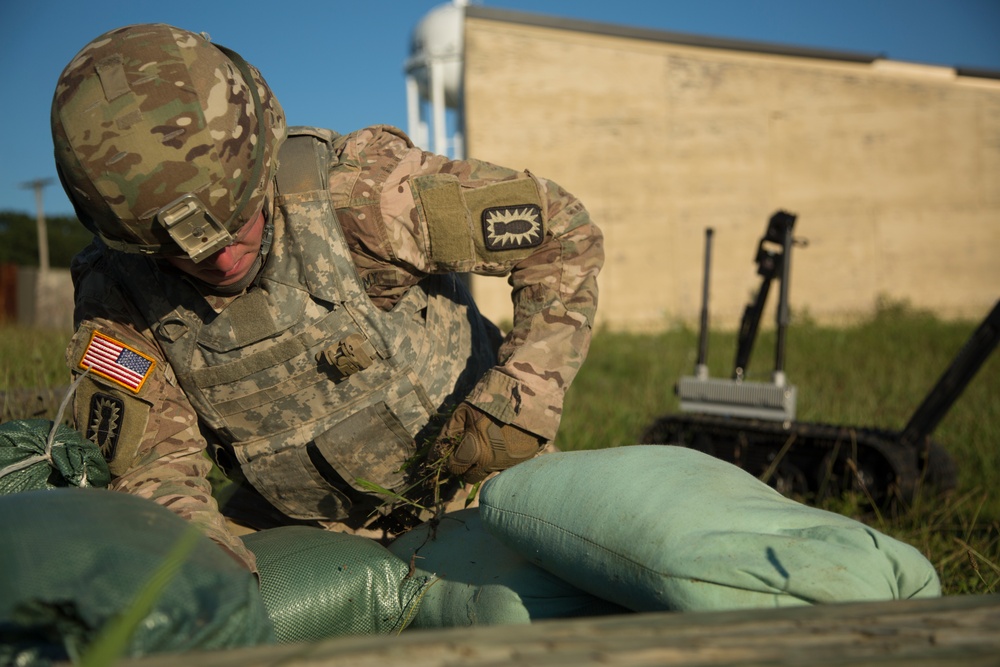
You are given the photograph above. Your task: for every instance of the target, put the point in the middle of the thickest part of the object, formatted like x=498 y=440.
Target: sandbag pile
x=474 y=579
x=587 y=533
x=654 y=527
x=39 y=454
x=77 y=560
x=74 y=560
x=317 y=584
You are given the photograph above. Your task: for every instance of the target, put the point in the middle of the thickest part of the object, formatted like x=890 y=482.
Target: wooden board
x=960 y=630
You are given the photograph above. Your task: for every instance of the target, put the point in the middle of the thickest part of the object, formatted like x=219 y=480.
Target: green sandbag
x=318 y=584
x=27 y=463
x=657 y=527
x=74 y=559
x=476 y=580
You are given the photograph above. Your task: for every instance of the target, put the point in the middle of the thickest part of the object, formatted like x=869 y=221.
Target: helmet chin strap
x=258 y=263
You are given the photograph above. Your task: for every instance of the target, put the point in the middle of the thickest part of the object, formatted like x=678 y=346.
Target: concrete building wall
x=893 y=169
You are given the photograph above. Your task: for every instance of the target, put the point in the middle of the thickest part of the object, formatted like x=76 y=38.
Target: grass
x=874 y=373
x=32 y=358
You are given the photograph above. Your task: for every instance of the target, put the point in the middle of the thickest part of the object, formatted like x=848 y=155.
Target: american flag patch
x=117 y=362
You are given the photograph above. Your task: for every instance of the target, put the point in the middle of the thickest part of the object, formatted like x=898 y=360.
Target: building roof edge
x=687 y=39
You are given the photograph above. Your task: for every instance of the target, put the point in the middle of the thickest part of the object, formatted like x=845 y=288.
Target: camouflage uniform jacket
x=405 y=215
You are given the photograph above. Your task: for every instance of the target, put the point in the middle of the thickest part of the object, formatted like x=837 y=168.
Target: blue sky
x=339 y=64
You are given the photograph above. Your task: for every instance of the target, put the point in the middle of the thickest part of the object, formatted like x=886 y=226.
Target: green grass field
x=872 y=374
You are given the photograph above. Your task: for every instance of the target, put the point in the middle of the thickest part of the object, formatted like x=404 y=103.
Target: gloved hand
x=475 y=444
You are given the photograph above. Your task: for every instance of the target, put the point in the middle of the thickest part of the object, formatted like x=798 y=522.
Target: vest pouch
x=324 y=480
x=369 y=446
x=291 y=482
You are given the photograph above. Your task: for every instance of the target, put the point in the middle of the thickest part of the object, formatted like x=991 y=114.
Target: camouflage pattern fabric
x=163 y=133
x=554 y=287
x=391 y=215
x=308 y=434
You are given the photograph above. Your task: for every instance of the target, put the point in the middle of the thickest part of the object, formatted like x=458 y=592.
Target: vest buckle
x=349 y=356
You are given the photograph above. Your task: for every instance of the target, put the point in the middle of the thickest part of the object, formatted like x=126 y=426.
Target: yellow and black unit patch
x=512 y=227
x=104 y=423
x=116 y=361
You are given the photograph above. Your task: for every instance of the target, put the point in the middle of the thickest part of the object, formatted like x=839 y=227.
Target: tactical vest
x=313 y=388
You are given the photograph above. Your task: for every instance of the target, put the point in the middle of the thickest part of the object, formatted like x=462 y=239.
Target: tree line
x=19 y=239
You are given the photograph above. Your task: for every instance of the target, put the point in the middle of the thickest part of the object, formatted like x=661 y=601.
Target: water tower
x=434 y=81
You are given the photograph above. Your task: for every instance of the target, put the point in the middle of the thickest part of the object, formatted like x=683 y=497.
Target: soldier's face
x=231 y=264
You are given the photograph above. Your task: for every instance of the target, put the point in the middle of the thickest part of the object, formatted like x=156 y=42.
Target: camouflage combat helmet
x=161 y=144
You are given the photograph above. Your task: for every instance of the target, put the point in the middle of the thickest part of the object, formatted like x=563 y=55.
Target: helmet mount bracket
x=193 y=227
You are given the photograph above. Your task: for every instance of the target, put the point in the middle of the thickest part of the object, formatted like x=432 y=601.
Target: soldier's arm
x=554 y=292
x=140 y=418
x=432 y=215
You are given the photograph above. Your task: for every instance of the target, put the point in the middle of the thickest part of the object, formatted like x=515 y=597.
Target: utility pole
x=42 y=302
x=38 y=185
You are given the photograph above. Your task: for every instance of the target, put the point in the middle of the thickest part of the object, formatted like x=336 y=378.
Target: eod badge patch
x=512 y=227
x=104 y=423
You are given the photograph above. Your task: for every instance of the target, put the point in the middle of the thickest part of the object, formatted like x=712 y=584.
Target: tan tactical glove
x=476 y=444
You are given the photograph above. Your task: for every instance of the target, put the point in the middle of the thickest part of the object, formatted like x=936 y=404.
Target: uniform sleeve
x=149 y=433
x=408 y=213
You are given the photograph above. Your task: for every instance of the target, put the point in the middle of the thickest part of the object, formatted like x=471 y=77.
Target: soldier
x=286 y=299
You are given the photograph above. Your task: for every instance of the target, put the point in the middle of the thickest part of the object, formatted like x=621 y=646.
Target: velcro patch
x=512 y=227
x=104 y=423
x=116 y=361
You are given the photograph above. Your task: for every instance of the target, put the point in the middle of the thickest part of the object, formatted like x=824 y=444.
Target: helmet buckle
x=193 y=228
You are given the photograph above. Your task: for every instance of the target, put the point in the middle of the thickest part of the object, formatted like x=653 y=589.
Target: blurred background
x=876 y=123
